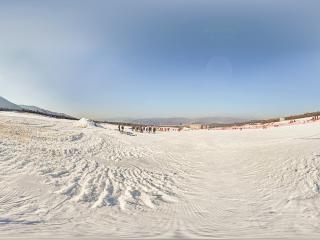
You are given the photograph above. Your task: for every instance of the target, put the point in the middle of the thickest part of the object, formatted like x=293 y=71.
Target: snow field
x=73 y=182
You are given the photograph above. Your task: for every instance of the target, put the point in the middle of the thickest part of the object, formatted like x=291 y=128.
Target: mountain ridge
x=6 y=105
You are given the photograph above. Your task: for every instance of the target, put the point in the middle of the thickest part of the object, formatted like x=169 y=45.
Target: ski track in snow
x=57 y=178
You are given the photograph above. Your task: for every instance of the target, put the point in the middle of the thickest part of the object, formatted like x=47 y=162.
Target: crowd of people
x=140 y=129
x=148 y=129
x=143 y=129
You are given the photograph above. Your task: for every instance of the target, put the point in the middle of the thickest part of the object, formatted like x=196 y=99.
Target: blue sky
x=108 y=59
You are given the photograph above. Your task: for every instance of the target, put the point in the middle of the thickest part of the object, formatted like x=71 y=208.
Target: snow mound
x=84 y=123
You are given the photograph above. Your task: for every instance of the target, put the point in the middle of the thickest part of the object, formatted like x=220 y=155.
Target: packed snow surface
x=59 y=180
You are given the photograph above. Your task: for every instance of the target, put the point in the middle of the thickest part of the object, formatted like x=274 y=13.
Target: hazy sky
x=108 y=59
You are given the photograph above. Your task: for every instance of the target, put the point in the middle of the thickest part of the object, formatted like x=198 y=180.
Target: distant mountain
x=162 y=121
x=219 y=120
x=181 y=121
x=6 y=105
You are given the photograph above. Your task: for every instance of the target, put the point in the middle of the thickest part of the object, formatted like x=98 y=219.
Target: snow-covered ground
x=61 y=180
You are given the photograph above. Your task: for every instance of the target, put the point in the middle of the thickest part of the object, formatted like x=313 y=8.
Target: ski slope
x=60 y=179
